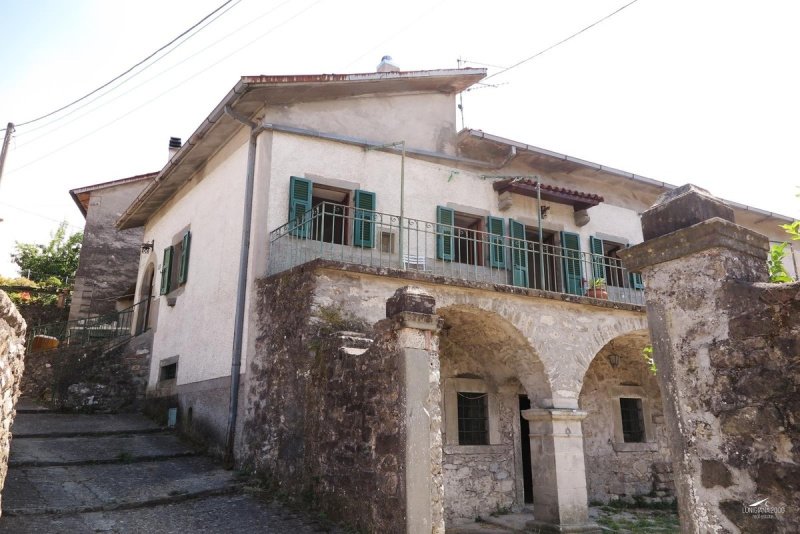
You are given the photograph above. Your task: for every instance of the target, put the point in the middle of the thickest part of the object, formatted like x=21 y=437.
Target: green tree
x=53 y=263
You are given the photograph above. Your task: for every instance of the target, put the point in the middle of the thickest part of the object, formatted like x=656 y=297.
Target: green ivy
x=647 y=353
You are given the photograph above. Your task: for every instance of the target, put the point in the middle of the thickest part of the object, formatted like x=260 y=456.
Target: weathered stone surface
x=12 y=352
x=726 y=349
x=680 y=208
x=322 y=418
x=109 y=259
x=410 y=299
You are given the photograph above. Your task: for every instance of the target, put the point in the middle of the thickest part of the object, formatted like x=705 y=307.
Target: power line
x=87 y=95
x=537 y=54
x=123 y=82
x=29 y=212
x=148 y=80
x=203 y=71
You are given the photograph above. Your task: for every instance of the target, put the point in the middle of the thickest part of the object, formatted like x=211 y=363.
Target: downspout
x=241 y=288
x=539 y=224
x=402 y=192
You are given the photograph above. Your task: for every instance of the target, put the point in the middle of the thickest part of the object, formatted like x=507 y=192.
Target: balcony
x=350 y=235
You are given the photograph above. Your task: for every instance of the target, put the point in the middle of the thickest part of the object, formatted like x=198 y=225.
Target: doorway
x=524 y=431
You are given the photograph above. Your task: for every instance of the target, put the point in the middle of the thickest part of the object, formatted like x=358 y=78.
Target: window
x=632 y=420
x=472 y=419
x=175 y=264
x=606 y=264
x=324 y=213
x=387 y=242
x=168 y=372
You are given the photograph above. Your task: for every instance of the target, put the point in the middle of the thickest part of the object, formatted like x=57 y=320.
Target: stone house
x=284 y=232
x=108 y=265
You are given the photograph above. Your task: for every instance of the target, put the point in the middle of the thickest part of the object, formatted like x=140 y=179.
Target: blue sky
x=680 y=91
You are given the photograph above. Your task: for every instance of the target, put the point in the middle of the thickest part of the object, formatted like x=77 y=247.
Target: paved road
x=122 y=474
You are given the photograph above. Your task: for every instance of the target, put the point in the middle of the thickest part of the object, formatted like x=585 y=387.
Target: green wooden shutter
x=445 y=219
x=364 y=223
x=166 y=270
x=183 y=273
x=598 y=262
x=299 y=205
x=636 y=280
x=496 y=229
x=519 y=253
x=571 y=263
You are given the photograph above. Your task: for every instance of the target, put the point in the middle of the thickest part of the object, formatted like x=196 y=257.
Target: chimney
x=174 y=146
x=387 y=65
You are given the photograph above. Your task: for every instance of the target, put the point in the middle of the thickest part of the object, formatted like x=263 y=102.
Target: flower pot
x=597 y=293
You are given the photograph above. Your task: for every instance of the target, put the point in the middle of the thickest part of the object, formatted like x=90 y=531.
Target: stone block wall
x=616 y=470
x=727 y=347
x=12 y=352
x=324 y=409
x=92 y=377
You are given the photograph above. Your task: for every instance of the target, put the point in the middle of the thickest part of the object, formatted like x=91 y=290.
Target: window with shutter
x=166 y=270
x=598 y=262
x=364 y=220
x=571 y=263
x=445 y=219
x=184 y=267
x=496 y=229
x=519 y=254
x=299 y=206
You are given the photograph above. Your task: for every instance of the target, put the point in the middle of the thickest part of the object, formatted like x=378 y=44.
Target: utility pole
x=4 y=150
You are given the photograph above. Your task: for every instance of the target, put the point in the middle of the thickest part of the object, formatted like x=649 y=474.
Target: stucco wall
x=199 y=327
x=109 y=257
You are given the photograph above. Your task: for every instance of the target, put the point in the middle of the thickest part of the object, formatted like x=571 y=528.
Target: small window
x=168 y=372
x=632 y=420
x=387 y=242
x=473 y=421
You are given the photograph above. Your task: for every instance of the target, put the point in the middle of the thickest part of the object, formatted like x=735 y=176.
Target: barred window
x=473 y=420
x=632 y=420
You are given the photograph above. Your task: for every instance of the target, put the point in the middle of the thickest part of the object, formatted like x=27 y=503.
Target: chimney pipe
x=174 y=146
x=387 y=65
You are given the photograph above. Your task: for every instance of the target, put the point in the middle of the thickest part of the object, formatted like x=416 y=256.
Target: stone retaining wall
x=12 y=353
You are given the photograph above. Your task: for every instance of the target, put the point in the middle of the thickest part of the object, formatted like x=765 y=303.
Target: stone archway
x=625 y=444
x=487 y=366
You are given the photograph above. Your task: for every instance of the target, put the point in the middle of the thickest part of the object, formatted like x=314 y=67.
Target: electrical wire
x=148 y=80
x=203 y=71
x=87 y=95
x=562 y=41
x=123 y=82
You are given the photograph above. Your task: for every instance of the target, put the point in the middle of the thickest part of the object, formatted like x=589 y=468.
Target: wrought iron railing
x=351 y=235
x=108 y=327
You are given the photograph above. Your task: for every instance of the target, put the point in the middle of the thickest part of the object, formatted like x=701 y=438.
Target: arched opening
x=489 y=373
x=143 y=320
x=625 y=442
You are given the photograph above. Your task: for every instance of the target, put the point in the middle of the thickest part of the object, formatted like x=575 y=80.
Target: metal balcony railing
x=107 y=327
x=362 y=237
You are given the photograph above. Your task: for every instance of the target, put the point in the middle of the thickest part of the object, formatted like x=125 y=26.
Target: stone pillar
x=417 y=325
x=560 y=499
x=692 y=256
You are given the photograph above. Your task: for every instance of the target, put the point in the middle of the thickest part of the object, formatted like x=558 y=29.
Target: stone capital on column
x=686 y=221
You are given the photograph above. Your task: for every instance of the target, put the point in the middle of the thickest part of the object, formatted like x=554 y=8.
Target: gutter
x=610 y=170
x=241 y=288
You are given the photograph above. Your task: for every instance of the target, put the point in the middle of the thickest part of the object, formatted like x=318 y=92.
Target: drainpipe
x=539 y=222
x=241 y=288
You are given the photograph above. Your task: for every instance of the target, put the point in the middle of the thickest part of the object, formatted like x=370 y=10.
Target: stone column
x=560 y=499
x=417 y=325
x=692 y=256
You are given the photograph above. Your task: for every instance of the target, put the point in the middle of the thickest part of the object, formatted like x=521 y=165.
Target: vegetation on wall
x=777 y=252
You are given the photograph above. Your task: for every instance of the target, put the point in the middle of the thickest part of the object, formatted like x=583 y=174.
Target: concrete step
x=225 y=514
x=49 y=451
x=48 y=424
x=95 y=488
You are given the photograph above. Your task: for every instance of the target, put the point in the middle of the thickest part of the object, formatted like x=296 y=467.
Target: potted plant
x=597 y=289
